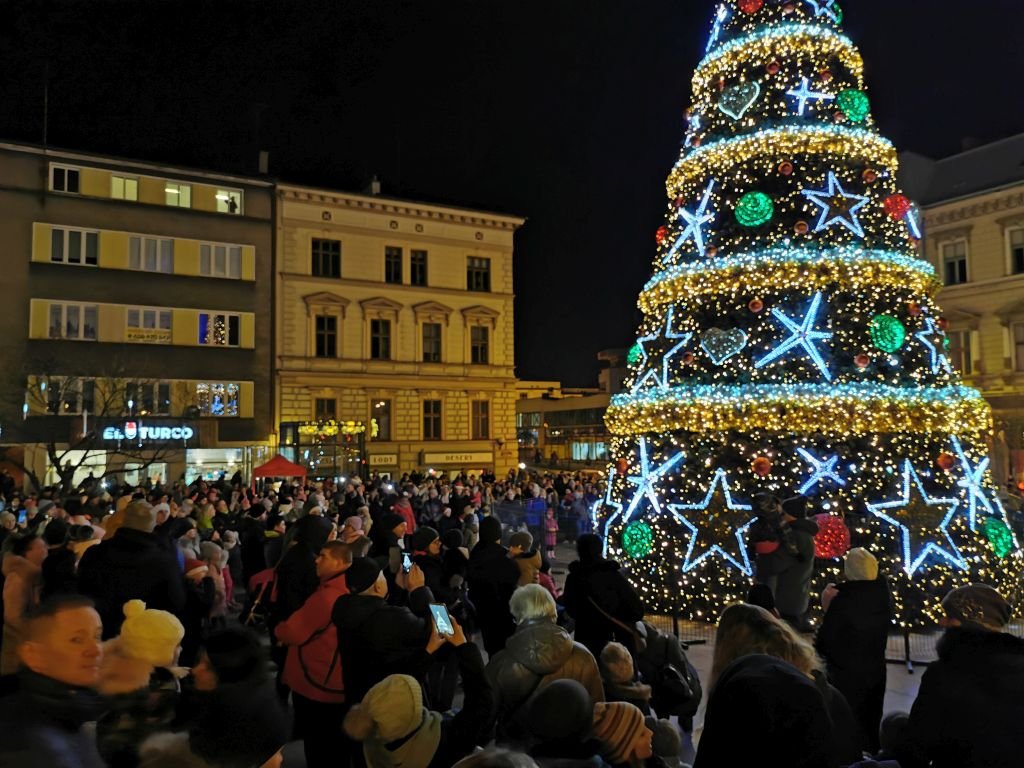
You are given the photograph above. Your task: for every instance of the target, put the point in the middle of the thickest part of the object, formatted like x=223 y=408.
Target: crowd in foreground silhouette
x=418 y=625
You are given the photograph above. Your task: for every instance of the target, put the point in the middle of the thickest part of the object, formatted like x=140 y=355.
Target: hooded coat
x=493 y=577
x=792 y=590
x=539 y=653
x=969 y=709
x=296 y=573
x=130 y=565
x=22 y=580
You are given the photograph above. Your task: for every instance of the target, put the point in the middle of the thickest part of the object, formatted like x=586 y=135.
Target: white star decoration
x=607 y=501
x=912 y=562
x=645 y=481
x=695 y=224
x=821 y=470
x=932 y=338
x=737 y=558
x=648 y=373
x=826 y=8
x=801 y=335
x=973 y=482
x=804 y=94
x=835 y=208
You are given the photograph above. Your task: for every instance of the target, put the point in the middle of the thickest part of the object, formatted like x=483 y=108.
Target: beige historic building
x=973 y=210
x=394 y=334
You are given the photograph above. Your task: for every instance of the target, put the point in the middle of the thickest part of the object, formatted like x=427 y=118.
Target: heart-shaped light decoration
x=721 y=345
x=737 y=99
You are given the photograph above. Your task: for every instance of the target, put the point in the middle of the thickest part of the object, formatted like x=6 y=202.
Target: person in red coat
x=312 y=669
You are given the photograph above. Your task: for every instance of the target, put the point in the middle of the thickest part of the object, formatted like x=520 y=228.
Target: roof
x=982 y=169
x=279 y=466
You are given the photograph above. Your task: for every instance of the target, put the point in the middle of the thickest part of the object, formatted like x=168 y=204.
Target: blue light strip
x=759 y=393
x=780 y=33
x=810 y=256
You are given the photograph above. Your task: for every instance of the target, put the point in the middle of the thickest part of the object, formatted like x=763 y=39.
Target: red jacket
x=313 y=666
x=403 y=507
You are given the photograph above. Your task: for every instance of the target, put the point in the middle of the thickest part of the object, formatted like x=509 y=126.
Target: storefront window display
x=328 y=449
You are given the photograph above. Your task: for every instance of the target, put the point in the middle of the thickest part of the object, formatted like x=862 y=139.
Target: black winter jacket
x=492 y=578
x=603 y=584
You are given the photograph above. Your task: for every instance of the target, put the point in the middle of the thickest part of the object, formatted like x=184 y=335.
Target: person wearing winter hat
x=492 y=577
x=496 y=758
x=976 y=683
x=619 y=676
x=528 y=560
x=59 y=567
x=623 y=733
x=667 y=742
x=792 y=588
x=852 y=640
x=398 y=730
x=139 y=680
x=353 y=534
x=561 y=722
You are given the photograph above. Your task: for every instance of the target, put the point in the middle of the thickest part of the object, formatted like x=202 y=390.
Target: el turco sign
x=136 y=431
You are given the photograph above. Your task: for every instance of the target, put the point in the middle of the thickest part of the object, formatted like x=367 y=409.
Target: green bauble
x=635 y=353
x=999 y=536
x=855 y=105
x=754 y=209
x=887 y=333
x=638 y=539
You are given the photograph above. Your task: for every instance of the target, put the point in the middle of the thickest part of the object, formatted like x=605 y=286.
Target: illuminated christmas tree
x=791 y=343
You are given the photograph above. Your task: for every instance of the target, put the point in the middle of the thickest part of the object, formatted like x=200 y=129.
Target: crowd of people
x=416 y=623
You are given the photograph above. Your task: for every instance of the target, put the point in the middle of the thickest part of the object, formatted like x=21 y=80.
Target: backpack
x=675 y=690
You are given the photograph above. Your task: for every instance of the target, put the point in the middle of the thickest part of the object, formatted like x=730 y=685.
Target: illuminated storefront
x=328 y=449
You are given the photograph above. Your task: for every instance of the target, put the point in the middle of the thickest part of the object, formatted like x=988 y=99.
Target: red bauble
x=897 y=206
x=661 y=234
x=695 y=142
x=773 y=67
x=833 y=538
x=762 y=466
x=679 y=202
x=870 y=175
x=786 y=168
x=755 y=306
x=622 y=466
x=943 y=323
x=862 y=360
x=825 y=75
x=688 y=358
x=788 y=8
x=750 y=6
x=711 y=250
x=913 y=309
x=839 y=117
x=801 y=227
x=945 y=461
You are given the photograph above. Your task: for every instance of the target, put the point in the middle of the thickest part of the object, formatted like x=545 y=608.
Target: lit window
x=229 y=201
x=148 y=325
x=177 y=194
x=219 y=330
x=74 y=246
x=147 y=398
x=124 y=187
x=217 y=399
x=382 y=418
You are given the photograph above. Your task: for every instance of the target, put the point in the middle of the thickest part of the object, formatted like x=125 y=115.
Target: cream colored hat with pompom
x=150 y=635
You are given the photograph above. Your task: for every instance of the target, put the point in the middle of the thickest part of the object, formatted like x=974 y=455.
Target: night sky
x=567 y=112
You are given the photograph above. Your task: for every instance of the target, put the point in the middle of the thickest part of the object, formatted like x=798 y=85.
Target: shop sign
x=136 y=430
x=149 y=335
x=458 y=458
x=384 y=460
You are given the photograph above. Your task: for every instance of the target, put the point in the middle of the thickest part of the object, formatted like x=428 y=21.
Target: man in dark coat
x=793 y=586
x=492 y=577
x=131 y=565
x=604 y=605
x=377 y=639
x=296 y=573
x=969 y=709
x=852 y=641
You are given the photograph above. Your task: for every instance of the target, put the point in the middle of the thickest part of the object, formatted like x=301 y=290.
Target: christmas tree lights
x=791 y=344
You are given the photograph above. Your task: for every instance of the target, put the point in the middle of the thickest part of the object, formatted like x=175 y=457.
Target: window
x=478 y=274
x=229 y=201
x=326 y=336
x=219 y=330
x=431 y=419
x=74 y=246
x=382 y=418
x=151 y=254
x=220 y=260
x=68 y=397
x=124 y=187
x=418 y=268
x=392 y=264
x=479 y=337
x=380 y=339
x=326 y=258
x=431 y=342
x=1016 y=237
x=325 y=409
x=1018 y=346
x=64 y=179
x=148 y=325
x=178 y=195
x=73 y=321
x=217 y=399
x=960 y=351
x=954 y=262
x=149 y=398
x=481 y=420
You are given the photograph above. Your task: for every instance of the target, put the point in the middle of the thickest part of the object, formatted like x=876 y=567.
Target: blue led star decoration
x=803 y=94
x=920 y=537
x=648 y=373
x=607 y=502
x=932 y=338
x=718 y=528
x=803 y=337
x=694 y=229
x=646 y=481
x=837 y=206
x=827 y=8
x=822 y=470
x=721 y=15
x=692 y=132
x=973 y=482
